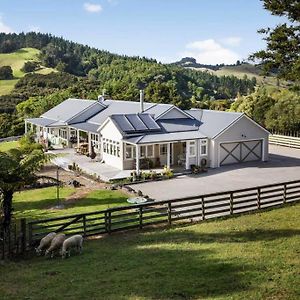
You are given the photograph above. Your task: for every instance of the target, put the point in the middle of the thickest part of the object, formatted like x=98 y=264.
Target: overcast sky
x=212 y=31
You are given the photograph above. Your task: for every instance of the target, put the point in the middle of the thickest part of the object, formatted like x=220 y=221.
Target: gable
x=174 y=113
x=243 y=128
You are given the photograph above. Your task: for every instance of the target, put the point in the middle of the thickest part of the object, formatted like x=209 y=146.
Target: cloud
x=210 y=52
x=33 y=28
x=92 y=7
x=4 y=28
x=233 y=41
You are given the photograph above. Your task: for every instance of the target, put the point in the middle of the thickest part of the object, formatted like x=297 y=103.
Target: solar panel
x=123 y=123
x=136 y=122
x=149 y=122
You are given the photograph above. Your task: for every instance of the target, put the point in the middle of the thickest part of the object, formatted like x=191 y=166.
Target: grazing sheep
x=56 y=244
x=45 y=242
x=74 y=241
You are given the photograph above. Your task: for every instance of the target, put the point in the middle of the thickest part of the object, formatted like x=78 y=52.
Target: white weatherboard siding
x=111 y=132
x=244 y=130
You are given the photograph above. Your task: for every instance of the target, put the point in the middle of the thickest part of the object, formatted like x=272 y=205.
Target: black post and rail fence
x=168 y=212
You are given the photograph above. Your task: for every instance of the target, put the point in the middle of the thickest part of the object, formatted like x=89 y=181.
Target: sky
x=212 y=31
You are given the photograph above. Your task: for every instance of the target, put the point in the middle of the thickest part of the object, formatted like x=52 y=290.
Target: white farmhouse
x=138 y=135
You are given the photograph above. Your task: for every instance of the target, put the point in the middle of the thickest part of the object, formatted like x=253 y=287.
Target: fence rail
x=286 y=141
x=167 y=212
x=10 y=138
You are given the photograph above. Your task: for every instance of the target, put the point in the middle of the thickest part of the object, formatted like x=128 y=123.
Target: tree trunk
x=7 y=207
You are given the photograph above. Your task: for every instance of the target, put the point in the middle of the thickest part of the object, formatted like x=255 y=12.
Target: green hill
x=16 y=61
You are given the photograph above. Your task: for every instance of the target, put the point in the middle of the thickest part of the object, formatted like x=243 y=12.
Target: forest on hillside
x=84 y=72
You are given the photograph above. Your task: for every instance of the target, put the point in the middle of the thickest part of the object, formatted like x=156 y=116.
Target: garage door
x=238 y=152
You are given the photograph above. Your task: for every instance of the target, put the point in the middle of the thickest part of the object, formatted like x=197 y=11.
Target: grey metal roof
x=165 y=137
x=176 y=125
x=117 y=107
x=68 y=109
x=40 y=121
x=214 y=122
x=158 y=109
x=86 y=126
x=134 y=123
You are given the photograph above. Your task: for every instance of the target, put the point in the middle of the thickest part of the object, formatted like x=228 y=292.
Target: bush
x=30 y=66
x=27 y=143
x=6 y=73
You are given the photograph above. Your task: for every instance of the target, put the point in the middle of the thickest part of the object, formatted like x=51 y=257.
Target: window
x=203 y=147
x=163 y=149
x=128 y=152
x=150 y=152
x=192 y=148
x=143 y=151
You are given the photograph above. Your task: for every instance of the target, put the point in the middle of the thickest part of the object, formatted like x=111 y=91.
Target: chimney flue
x=142 y=97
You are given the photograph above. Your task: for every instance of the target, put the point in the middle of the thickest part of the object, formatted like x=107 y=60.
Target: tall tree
x=17 y=169
x=283 y=42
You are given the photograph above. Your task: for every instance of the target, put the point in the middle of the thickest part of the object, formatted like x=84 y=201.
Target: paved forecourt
x=283 y=165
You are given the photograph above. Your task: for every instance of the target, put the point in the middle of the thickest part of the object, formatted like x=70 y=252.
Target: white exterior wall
x=111 y=132
x=243 y=130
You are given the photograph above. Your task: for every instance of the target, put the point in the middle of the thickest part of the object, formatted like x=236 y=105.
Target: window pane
x=143 y=151
x=128 y=152
x=203 y=149
x=150 y=151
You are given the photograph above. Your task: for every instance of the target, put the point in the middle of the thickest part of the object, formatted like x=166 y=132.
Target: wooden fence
x=168 y=212
x=13 y=240
x=286 y=141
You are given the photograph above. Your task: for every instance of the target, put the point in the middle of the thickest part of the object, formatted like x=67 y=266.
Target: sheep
x=56 y=244
x=45 y=242
x=74 y=241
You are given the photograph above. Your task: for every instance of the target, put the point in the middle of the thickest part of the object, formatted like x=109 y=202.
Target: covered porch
x=176 y=155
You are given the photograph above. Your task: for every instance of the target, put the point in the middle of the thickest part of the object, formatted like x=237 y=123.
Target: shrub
x=6 y=73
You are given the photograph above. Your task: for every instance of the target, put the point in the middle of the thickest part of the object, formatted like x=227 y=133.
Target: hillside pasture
x=16 y=60
x=253 y=256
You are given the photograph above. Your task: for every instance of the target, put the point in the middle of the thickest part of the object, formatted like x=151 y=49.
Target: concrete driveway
x=283 y=165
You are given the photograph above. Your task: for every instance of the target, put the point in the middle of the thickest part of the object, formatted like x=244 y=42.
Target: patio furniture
x=136 y=200
x=181 y=160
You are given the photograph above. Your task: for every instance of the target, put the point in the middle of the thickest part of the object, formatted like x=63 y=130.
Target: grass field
x=248 y=257
x=16 y=60
x=39 y=203
x=5 y=146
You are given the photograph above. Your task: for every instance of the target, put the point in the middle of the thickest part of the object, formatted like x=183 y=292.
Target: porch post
x=89 y=141
x=78 y=138
x=25 y=126
x=168 y=155
x=187 y=149
x=137 y=153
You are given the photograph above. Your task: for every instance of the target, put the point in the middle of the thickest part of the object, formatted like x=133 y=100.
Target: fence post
x=202 y=208
x=109 y=222
x=284 y=193
x=84 y=225
x=170 y=213
x=23 y=235
x=258 y=198
x=30 y=234
x=231 y=202
x=141 y=217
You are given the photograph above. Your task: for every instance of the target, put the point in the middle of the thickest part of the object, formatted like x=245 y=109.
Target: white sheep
x=74 y=241
x=45 y=242
x=56 y=244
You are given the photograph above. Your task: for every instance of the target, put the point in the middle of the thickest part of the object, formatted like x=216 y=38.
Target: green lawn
x=39 y=203
x=253 y=256
x=16 y=60
x=5 y=146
